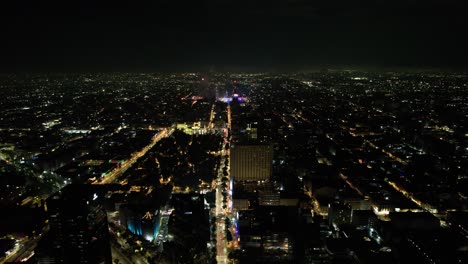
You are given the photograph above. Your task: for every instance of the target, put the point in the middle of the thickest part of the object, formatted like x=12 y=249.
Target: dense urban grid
x=314 y=167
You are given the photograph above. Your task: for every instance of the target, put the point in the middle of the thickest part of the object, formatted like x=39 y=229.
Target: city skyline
x=325 y=166
x=234 y=132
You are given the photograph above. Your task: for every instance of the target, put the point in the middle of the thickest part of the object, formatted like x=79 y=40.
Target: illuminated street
x=221 y=246
x=117 y=172
x=24 y=249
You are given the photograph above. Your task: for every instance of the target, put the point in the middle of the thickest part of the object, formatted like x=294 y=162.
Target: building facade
x=251 y=162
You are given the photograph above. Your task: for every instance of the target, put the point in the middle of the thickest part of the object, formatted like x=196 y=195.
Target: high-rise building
x=141 y=222
x=269 y=198
x=252 y=130
x=251 y=162
x=78 y=228
x=267 y=234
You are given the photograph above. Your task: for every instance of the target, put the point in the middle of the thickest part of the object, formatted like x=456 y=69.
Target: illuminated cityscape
x=234 y=132
x=327 y=166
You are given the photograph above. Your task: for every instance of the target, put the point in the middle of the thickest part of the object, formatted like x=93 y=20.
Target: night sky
x=227 y=34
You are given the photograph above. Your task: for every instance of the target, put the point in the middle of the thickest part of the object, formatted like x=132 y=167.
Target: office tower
x=252 y=131
x=78 y=228
x=268 y=234
x=140 y=221
x=251 y=162
x=269 y=198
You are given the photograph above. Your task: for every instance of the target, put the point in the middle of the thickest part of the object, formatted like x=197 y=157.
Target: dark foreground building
x=78 y=229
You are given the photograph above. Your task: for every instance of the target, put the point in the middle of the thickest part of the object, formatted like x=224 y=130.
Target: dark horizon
x=212 y=35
